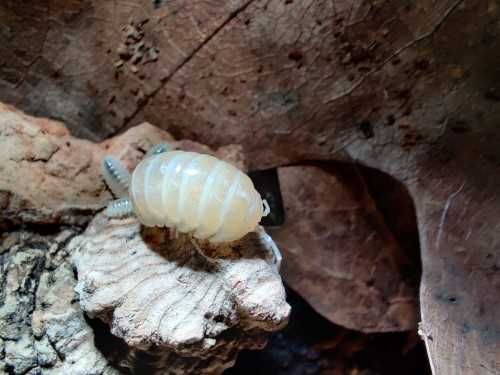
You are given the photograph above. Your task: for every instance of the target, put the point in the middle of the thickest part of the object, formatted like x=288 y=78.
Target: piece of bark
x=338 y=252
x=42 y=328
x=160 y=295
x=48 y=176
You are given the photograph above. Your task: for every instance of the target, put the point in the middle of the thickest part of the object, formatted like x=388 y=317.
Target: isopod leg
x=160 y=148
x=266 y=210
x=274 y=249
x=119 y=208
x=277 y=256
x=200 y=252
x=116 y=176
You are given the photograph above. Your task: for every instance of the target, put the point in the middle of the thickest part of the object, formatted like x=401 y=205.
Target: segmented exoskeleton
x=190 y=192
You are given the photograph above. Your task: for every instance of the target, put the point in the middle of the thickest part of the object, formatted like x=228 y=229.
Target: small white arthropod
x=187 y=191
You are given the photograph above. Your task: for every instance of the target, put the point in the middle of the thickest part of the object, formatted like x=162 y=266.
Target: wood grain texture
x=42 y=329
x=158 y=293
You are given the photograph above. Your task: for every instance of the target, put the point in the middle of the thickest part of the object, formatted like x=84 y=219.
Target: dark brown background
x=408 y=88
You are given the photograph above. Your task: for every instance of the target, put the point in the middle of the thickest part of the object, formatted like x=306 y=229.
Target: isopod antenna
x=116 y=176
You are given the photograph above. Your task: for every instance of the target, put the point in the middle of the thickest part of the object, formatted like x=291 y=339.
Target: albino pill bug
x=192 y=193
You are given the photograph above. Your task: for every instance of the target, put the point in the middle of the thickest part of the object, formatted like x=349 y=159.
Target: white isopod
x=187 y=191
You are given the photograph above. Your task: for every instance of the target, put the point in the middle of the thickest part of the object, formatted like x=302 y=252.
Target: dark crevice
x=112 y=347
x=34 y=277
x=59 y=355
x=310 y=344
x=394 y=203
x=42 y=229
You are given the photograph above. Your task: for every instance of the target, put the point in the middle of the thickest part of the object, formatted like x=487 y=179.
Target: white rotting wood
x=183 y=311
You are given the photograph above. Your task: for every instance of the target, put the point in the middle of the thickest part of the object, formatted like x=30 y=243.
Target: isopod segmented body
x=194 y=193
